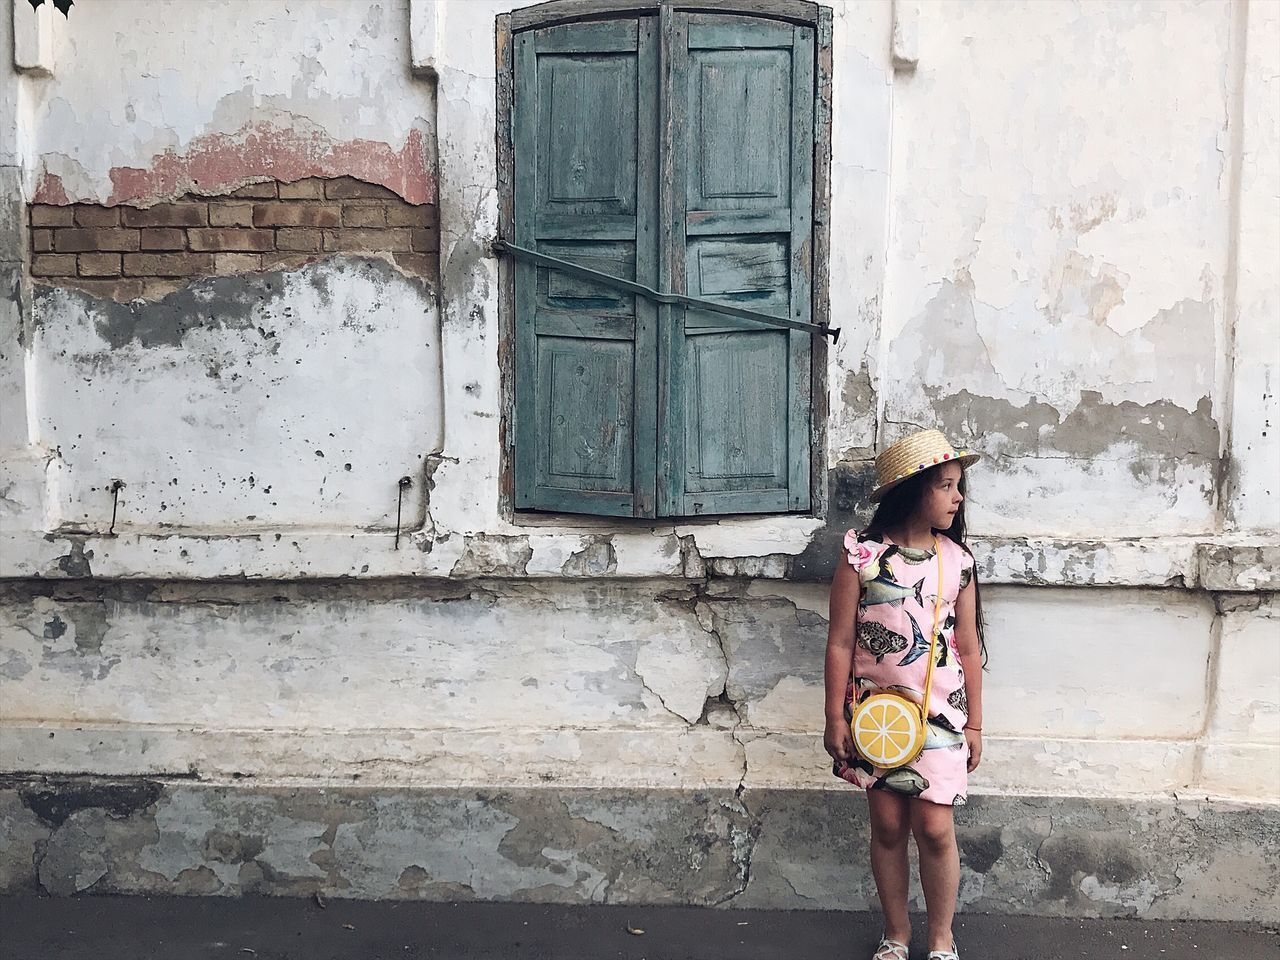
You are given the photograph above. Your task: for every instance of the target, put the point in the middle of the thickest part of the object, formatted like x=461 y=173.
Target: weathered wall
x=1045 y=241
x=1048 y=856
x=1253 y=462
x=223 y=405
x=638 y=683
x=1072 y=319
x=144 y=105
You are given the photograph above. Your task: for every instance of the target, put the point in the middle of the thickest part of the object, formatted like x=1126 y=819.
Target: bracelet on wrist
x=978 y=729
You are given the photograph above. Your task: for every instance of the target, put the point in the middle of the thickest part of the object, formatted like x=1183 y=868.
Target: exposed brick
x=406 y=215
x=229 y=238
x=364 y=215
x=41 y=241
x=92 y=239
x=163 y=238
x=168 y=215
x=304 y=239
x=425 y=239
x=99 y=264
x=47 y=215
x=420 y=263
x=285 y=261
x=91 y=216
x=237 y=262
x=345 y=188
x=256 y=191
x=231 y=214
x=357 y=239
x=309 y=189
x=117 y=289
x=296 y=215
x=53 y=265
x=155 y=288
x=167 y=264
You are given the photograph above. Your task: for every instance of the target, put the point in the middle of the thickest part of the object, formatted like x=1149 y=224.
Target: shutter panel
x=585 y=127
x=734 y=396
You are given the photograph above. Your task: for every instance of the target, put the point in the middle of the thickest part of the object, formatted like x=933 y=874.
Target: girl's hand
x=838 y=740
x=974 y=739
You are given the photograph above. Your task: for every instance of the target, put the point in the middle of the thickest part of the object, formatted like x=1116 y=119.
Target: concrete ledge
x=1242 y=567
x=757 y=848
x=701 y=757
x=1223 y=563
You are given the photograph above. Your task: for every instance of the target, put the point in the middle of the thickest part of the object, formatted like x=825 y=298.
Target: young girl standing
x=886 y=597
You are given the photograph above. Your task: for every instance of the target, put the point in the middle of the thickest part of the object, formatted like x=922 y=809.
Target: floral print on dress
x=895 y=613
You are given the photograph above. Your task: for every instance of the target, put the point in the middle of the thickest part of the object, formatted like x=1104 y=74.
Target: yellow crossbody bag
x=889 y=730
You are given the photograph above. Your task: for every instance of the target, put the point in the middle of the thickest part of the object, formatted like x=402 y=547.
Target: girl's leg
x=935 y=835
x=890 y=827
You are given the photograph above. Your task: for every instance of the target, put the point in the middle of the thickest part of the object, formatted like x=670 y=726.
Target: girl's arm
x=846 y=591
x=971 y=660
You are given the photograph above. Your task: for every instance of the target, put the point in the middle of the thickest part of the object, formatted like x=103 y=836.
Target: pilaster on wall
x=426 y=26
x=33 y=38
x=13 y=400
x=25 y=35
x=1252 y=482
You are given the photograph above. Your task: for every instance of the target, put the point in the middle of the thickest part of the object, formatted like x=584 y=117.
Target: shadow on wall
x=850 y=485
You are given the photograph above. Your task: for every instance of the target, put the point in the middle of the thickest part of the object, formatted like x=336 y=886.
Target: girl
x=882 y=613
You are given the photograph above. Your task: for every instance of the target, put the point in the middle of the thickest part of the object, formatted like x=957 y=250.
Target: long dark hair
x=897 y=508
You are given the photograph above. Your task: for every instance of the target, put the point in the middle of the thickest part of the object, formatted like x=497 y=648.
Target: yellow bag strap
x=933 y=639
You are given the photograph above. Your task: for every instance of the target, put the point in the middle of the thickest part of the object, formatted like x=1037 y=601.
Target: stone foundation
x=749 y=848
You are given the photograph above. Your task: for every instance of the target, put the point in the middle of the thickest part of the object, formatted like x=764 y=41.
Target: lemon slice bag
x=889 y=730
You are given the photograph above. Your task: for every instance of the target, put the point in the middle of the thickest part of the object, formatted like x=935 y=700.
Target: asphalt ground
x=213 y=928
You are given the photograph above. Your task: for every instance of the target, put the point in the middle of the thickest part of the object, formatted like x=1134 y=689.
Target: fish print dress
x=895 y=616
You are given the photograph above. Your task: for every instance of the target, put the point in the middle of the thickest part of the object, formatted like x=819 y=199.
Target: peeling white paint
x=1071 y=263
x=271 y=69
x=250 y=425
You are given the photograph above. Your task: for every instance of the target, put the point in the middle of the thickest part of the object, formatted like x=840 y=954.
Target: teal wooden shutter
x=734 y=395
x=623 y=407
x=585 y=127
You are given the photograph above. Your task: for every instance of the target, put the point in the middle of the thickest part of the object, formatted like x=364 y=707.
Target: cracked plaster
x=717 y=683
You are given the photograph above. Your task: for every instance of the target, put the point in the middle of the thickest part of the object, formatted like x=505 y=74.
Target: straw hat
x=912 y=454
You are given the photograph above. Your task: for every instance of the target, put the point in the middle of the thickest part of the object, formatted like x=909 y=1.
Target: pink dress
x=895 y=616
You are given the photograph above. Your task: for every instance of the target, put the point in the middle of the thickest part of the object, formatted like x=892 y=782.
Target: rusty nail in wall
x=405 y=484
x=115 y=486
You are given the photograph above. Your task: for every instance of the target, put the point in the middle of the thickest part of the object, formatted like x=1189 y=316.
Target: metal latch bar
x=524 y=253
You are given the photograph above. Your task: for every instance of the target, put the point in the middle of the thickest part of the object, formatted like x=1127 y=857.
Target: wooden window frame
x=556 y=12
